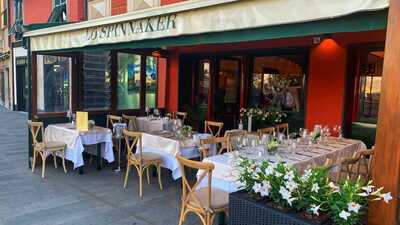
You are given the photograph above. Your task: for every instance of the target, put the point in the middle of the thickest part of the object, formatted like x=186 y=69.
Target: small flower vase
x=249 y=123
x=240 y=125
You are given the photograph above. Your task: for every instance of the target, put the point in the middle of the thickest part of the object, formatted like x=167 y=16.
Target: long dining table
x=302 y=156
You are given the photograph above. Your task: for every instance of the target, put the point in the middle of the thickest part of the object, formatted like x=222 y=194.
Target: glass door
x=227 y=92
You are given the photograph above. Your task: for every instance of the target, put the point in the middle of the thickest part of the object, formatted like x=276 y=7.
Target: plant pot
x=245 y=210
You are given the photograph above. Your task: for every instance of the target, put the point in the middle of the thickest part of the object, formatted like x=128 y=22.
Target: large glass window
x=278 y=81
x=128 y=81
x=151 y=81
x=53 y=83
x=96 y=80
x=370 y=86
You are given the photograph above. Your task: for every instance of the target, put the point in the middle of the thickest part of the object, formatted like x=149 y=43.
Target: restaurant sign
x=130 y=28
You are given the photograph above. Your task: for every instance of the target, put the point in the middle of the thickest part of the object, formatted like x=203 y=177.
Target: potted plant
x=278 y=194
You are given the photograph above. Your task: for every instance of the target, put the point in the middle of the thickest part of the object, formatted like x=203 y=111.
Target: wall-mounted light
x=318 y=39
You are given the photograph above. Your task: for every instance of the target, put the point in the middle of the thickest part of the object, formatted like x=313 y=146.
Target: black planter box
x=244 y=210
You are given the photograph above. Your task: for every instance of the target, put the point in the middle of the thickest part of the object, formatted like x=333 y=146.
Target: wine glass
x=147 y=110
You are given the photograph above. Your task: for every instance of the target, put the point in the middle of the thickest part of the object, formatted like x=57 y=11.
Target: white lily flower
x=269 y=171
x=314 y=209
x=315 y=188
x=266 y=188
x=353 y=207
x=289 y=175
x=334 y=187
x=291 y=185
x=257 y=187
x=306 y=175
x=344 y=215
x=368 y=189
x=387 y=197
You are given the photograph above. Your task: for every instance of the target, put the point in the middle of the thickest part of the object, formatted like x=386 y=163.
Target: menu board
x=82 y=121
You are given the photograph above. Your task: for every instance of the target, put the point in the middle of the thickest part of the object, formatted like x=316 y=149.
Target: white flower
x=368 y=189
x=289 y=175
x=266 y=188
x=306 y=175
x=278 y=174
x=334 y=187
x=315 y=188
x=258 y=170
x=387 y=197
x=286 y=195
x=363 y=194
x=314 y=209
x=257 y=187
x=353 y=207
x=291 y=185
x=343 y=214
x=269 y=170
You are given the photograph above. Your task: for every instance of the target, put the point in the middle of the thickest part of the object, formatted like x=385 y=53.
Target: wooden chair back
x=220 y=142
x=282 y=128
x=133 y=141
x=179 y=115
x=188 y=191
x=231 y=134
x=352 y=167
x=267 y=130
x=214 y=128
x=35 y=129
x=111 y=119
x=130 y=122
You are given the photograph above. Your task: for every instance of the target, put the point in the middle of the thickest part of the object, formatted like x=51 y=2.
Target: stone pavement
x=94 y=198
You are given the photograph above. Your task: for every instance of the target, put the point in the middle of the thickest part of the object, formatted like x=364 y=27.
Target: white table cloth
x=76 y=140
x=149 y=125
x=303 y=157
x=169 y=146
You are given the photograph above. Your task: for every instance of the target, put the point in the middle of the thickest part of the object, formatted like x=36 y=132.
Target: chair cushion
x=148 y=156
x=54 y=144
x=219 y=198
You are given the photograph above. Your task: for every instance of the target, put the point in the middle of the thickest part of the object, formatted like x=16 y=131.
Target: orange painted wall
x=161 y=82
x=76 y=10
x=36 y=11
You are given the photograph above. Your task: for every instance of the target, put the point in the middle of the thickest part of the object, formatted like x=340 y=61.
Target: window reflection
x=53 y=83
x=151 y=81
x=128 y=81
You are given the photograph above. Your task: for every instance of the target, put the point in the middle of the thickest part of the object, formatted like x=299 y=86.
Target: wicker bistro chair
x=214 y=128
x=221 y=143
x=130 y=122
x=205 y=202
x=359 y=165
x=282 y=128
x=139 y=159
x=180 y=115
x=267 y=130
x=231 y=134
x=45 y=148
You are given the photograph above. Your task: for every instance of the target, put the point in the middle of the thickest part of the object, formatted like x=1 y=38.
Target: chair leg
x=182 y=216
x=127 y=175
x=55 y=160
x=159 y=176
x=140 y=182
x=34 y=161
x=148 y=175
x=63 y=161
x=43 y=165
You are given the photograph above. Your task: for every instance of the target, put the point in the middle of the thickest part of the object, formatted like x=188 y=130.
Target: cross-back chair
x=267 y=130
x=130 y=122
x=44 y=148
x=214 y=128
x=179 y=115
x=221 y=144
x=282 y=128
x=231 y=134
x=205 y=202
x=359 y=165
x=139 y=159
x=111 y=119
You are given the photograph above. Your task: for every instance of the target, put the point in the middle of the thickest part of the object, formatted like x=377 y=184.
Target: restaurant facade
x=211 y=58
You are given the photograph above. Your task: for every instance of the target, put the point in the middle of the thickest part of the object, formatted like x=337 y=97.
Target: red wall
x=118 y=7
x=36 y=11
x=161 y=82
x=173 y=81
x=325 y=87
x=167 y=2
x=76 y=10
